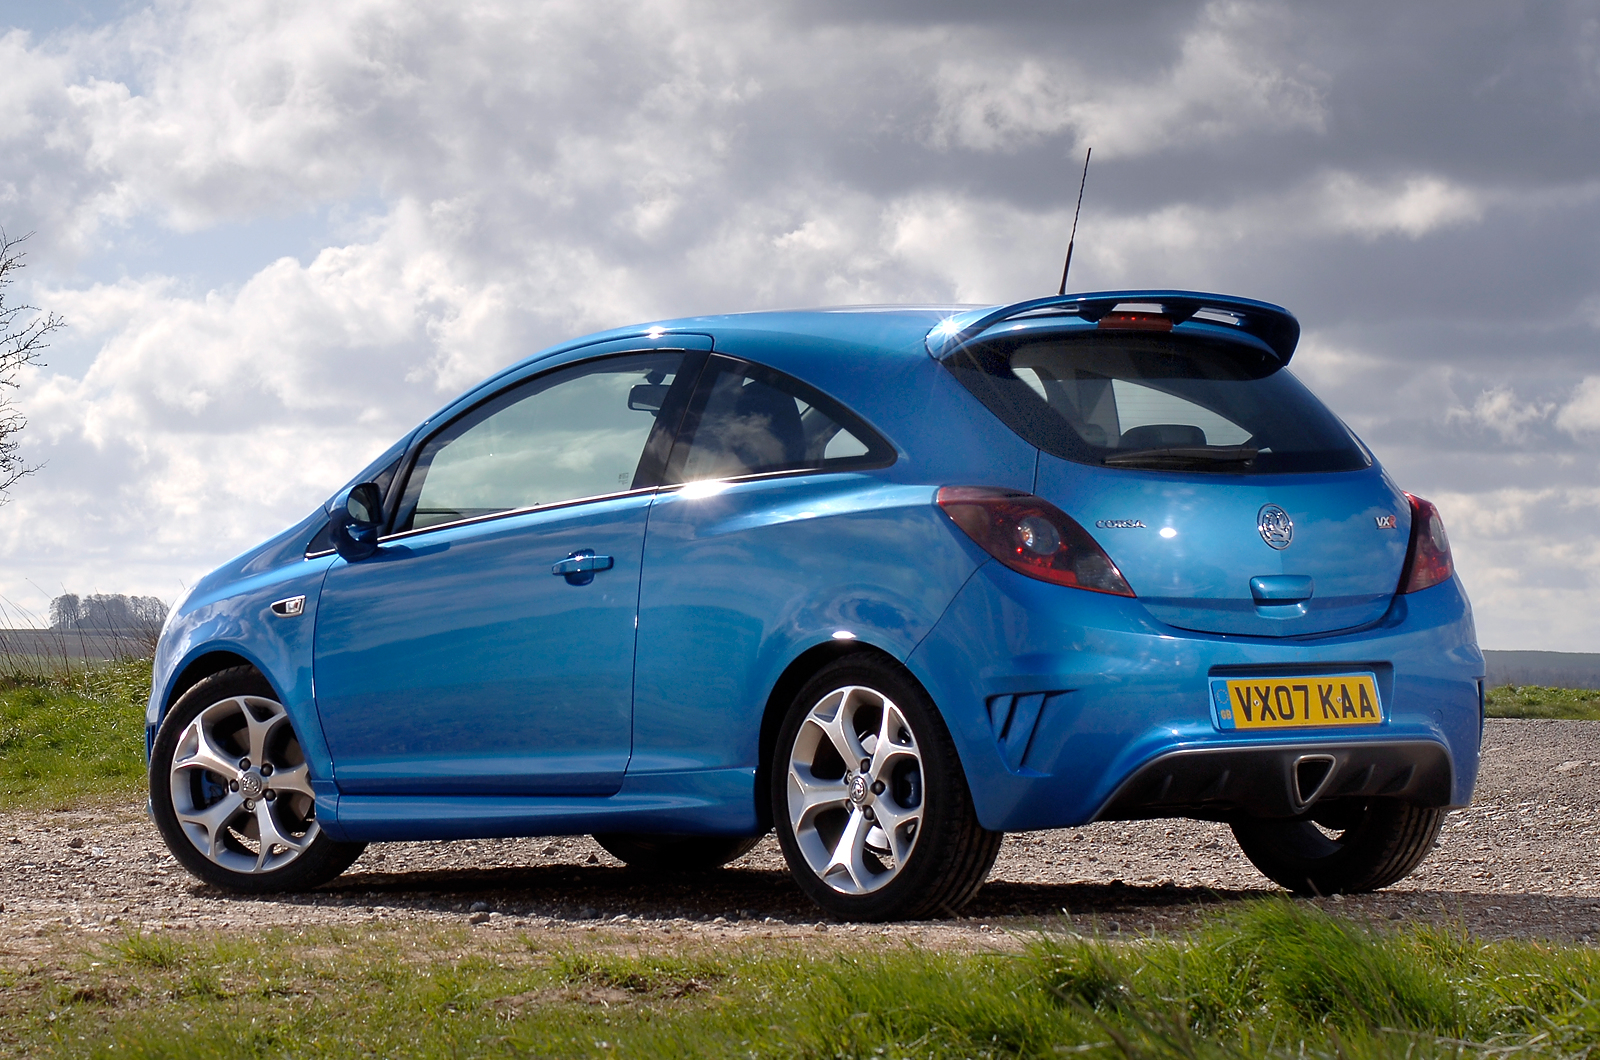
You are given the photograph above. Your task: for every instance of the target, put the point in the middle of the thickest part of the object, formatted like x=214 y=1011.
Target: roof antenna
x=1073 y=238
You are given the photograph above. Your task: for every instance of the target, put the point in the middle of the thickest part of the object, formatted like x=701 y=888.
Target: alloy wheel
x=855 y=789
x=240 y=787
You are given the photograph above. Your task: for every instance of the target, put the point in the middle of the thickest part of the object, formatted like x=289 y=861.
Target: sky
x=281 y=233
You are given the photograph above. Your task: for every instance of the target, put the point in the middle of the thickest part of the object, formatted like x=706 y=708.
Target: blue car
x=892 y=581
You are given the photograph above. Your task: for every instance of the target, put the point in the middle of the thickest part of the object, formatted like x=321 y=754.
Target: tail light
x=1428 y=560
x=1033 y=537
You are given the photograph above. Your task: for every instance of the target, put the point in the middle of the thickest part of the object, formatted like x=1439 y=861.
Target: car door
x=487 y=648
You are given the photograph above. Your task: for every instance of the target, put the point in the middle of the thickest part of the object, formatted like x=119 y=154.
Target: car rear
x=1281 y=636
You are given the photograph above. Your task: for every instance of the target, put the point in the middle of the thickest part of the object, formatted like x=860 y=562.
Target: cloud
x=1229 y=76
x=468 y=183
x=1582 y=413
x=1500 y=411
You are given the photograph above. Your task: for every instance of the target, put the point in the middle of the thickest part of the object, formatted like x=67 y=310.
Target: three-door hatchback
x=892 y=581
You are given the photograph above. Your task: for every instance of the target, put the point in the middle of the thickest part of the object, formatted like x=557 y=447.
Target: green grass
x=73 y=739
x=1268 y=979
x=1535 y=701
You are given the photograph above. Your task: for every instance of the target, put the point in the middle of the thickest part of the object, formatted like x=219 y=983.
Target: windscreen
x=1162 y=402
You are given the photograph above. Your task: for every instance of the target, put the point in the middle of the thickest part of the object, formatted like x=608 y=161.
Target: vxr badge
x=1277 y=529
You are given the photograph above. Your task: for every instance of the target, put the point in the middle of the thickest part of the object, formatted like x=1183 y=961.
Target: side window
x=571 y=434
x=749 y=420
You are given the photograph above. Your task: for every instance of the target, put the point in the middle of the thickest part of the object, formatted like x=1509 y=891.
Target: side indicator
x=289 y=608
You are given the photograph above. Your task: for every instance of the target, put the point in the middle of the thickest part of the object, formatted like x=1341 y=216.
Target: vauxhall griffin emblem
x=1277 y=529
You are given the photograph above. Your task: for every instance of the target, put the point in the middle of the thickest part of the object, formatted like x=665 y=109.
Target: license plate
x=1328 y=701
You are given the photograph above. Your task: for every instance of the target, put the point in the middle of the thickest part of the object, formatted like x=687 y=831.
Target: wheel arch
x=203 y=666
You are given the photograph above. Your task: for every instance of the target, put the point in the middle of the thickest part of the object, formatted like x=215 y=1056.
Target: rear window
x=1157 y=402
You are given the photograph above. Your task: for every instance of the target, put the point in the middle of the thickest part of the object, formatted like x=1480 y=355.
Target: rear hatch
x=1231 y=499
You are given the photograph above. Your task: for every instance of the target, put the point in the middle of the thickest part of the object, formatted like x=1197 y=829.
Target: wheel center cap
x=251 y=785
x=859 y=791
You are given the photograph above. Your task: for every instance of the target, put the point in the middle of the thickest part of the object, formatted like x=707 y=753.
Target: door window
x=572 y=434
x=749 y=420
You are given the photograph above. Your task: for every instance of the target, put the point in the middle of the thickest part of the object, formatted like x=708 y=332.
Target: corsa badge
x=1276 y=528
x=1385 y=522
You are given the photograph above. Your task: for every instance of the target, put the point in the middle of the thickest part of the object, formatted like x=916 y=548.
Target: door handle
x=579 y=567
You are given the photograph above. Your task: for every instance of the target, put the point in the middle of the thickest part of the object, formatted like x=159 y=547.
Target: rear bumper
x=1069 y=706
x=1282 y=780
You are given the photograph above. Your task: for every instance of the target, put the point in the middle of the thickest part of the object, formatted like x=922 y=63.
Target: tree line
x=107 y=613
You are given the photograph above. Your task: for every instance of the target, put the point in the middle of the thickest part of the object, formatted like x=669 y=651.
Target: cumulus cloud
x=1230 y=75
x=1582 y=413
x=1499 y=410
x=482 y=180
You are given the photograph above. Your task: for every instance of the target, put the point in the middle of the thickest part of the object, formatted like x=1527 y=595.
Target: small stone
x=15 y=841
x=550 y=848
x=719 y=920
x=591 y=860
x=1113 y=927
x=478 y=907
x=1396 y=915
x=97 y=852
x=586 y=913
x=76 y=842
x=620 y=918
x=478 y=918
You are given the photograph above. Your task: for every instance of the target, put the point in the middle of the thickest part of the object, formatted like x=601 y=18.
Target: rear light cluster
x=1428 y=560
x=1033 y=537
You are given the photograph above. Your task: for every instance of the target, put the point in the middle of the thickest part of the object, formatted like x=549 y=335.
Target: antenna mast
x=1074 y=237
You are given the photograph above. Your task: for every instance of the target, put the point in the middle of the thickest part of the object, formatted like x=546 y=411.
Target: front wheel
x=231 y=793
x=1342 y=848
x=869 y=800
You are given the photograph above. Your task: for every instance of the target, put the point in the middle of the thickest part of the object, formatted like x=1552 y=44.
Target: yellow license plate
x=1296 y=702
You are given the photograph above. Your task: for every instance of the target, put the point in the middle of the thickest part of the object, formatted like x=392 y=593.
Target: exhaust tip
x=1311 y=776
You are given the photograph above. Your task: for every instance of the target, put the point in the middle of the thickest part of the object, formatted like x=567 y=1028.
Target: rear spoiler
x=1272 y=325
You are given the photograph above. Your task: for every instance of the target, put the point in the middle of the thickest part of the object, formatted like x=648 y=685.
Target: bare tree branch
x=22 y=339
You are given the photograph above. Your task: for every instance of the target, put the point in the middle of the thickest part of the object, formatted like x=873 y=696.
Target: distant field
x=1536 y=701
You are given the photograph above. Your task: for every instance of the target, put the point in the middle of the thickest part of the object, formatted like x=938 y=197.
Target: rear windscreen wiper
x=1182 y=456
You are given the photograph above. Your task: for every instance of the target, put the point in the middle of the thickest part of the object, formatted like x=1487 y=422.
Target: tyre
x=675 y=853
x=231 y=793
x=869 y=800
x=1342 y=848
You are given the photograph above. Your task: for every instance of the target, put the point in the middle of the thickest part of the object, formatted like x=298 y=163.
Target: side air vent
x=1015 y=719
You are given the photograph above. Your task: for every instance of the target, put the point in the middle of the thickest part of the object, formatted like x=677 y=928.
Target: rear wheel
x=869 y=800
x=231 y=793
x=1342 y=848
x=675 y=853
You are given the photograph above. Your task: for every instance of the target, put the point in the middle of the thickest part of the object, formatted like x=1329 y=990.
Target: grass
x=74 y=738
x=1267 y=979
x=1535 y=701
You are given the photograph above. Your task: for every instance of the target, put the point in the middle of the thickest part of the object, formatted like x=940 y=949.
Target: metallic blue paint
x=465 y=691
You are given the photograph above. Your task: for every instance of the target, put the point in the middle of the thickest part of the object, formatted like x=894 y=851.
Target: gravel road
x=1523 y=860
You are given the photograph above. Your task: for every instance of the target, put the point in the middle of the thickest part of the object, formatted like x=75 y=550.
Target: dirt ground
x=1522 y=861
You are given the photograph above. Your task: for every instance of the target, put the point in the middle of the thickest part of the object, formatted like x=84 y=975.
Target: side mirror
x=356 y=515
x=648 y=397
